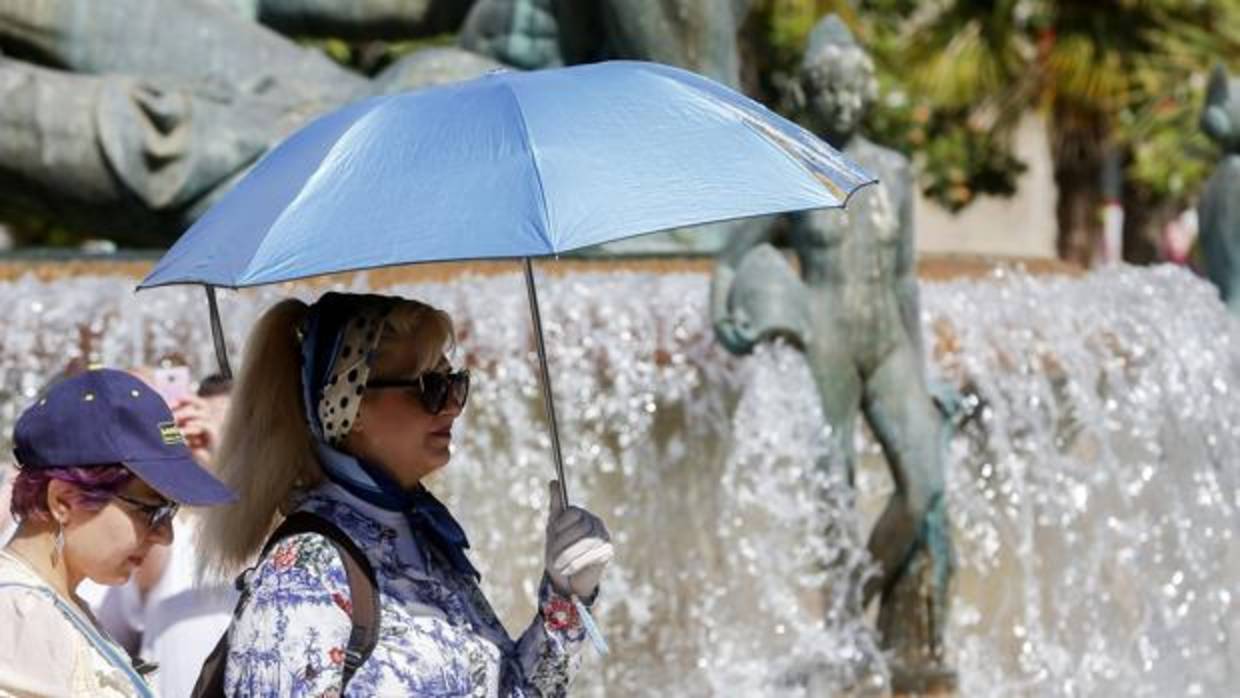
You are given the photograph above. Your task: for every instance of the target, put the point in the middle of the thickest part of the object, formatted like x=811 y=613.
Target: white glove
x=578 y=548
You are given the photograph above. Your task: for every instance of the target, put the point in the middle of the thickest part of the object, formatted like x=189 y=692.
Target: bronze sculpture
x=1218 y=211
x=854 y=311
x=128 y=118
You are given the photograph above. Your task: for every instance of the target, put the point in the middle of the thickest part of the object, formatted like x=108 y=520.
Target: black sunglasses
x=156 y=514
x=432 y=388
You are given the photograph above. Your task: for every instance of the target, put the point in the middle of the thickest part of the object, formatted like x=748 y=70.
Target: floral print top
x=438 y=635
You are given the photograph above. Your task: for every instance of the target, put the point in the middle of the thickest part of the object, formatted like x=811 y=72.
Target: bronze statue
x=1218 y=211
x=125 y=154
x=186 y=42
x=128 y=118
x=854 y=311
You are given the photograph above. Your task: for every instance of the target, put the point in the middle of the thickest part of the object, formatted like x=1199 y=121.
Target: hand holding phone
x=172 y=384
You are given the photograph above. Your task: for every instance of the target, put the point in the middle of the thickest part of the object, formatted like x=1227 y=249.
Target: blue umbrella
x=512 y=164
x=509 y=165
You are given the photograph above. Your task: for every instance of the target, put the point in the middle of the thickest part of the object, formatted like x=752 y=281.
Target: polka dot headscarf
x=342 y=394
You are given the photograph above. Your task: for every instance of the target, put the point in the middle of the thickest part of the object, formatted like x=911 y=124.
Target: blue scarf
x=430 y=521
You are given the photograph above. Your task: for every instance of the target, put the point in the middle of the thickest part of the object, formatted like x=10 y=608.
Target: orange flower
x=285 y=556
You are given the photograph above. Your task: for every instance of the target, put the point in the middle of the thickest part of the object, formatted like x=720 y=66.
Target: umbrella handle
x=592 y=630
x=548 y=400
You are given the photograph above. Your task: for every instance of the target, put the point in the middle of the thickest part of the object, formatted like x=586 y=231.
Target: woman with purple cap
x=341 y=409
x=102 y=471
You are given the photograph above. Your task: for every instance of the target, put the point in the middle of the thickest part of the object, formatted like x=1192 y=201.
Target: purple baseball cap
x=105 y=417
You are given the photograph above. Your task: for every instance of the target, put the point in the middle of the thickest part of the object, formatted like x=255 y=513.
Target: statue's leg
x=839 y=389
x=903 y=417
x=911 y=540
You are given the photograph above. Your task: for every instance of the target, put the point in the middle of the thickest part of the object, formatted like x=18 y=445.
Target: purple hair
x=95 y=486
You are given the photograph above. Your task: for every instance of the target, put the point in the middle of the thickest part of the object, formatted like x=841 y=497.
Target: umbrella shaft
x=217 y=334
x=548 y=400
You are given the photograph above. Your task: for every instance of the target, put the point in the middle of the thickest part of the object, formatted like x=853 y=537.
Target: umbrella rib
x=529 y=147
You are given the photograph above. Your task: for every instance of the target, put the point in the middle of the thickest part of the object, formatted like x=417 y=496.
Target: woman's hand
x=200 y=421
x=578 y=548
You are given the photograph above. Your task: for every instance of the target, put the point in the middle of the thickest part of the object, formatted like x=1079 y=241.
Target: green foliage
x=957 y=76
x=1130 y=65
x=958 y=160
x=1170 y=155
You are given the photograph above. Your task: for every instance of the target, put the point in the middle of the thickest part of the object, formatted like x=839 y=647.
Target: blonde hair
x=413 y=323
x=267 y=452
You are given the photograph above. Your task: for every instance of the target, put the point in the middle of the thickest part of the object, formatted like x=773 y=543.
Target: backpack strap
x=362 y=594
x=362 y=584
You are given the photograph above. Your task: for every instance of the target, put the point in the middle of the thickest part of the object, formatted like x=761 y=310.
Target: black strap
x=362 y=594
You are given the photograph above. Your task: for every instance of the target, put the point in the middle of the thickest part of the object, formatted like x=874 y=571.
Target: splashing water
x=1095 y=499
x=1094 y=492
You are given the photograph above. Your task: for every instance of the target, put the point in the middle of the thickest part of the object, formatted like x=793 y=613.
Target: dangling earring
x=59 y=546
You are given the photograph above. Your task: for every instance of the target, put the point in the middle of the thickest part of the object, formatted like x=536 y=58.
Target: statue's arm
x=756 y=232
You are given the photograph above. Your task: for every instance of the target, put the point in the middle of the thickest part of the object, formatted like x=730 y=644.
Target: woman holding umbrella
x=341 y=408
x=393 y=180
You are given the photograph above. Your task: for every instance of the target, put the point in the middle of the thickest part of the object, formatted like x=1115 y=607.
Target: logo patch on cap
x=170 y=433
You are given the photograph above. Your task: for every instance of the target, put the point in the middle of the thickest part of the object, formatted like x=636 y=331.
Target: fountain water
x=1094 y=491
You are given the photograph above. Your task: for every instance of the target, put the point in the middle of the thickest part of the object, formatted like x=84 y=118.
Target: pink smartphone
x=172 y=384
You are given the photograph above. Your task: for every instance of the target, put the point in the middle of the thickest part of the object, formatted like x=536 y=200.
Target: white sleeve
x=38 y=645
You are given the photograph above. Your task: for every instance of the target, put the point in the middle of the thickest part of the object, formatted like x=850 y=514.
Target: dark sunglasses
x=432 y=388
x=156 y=514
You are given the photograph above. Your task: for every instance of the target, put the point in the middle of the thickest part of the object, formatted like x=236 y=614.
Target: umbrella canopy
x=511 y=164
